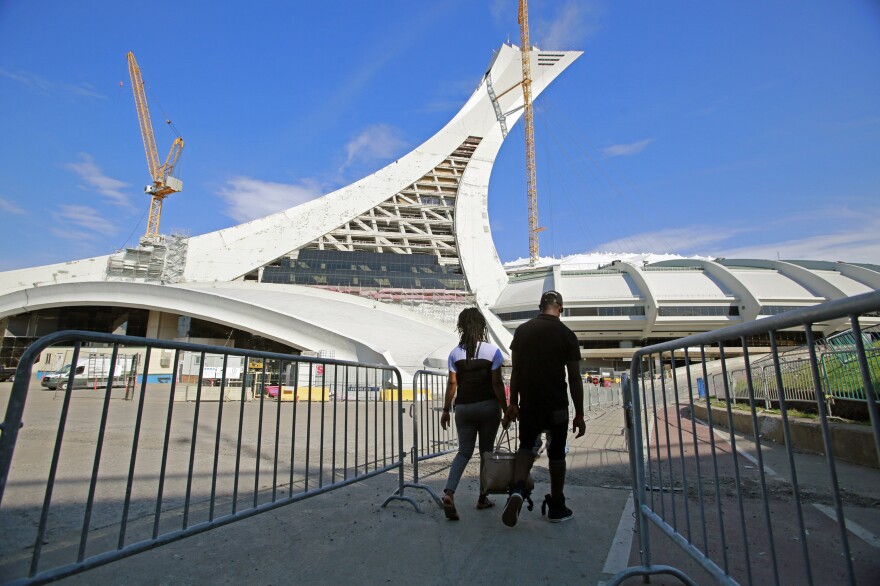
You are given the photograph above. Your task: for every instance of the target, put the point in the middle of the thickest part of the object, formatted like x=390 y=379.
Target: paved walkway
x=346 y=536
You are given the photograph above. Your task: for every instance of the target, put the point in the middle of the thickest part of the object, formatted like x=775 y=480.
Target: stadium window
x=698 y=310
x=777 y=309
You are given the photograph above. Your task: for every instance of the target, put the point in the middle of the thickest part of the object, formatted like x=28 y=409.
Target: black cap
x=550 y=297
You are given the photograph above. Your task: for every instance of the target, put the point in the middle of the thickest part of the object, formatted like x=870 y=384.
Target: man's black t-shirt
x=543 y=346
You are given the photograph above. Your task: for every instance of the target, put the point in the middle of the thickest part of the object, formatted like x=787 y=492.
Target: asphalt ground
x=718 y=499
x=346 y=535
x=335 y=537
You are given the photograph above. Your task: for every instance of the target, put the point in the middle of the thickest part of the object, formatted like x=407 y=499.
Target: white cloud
x=96 y=181
x=502 y=9
x=690 y=239
x=374 y=143
x=248 y=199
x=850 y=234
x=573 y=22
x=77 y=222
x=569 y=27
x=625 y=150
x=10 y=207
x=861 y=244
x=47 y=88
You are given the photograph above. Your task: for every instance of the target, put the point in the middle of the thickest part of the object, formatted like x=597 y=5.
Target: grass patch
x=792 y=413
x=745 y=408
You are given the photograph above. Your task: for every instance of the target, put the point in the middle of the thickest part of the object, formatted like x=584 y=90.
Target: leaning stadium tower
x=375 y=271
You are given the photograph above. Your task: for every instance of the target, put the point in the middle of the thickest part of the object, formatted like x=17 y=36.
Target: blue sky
x=736 y=129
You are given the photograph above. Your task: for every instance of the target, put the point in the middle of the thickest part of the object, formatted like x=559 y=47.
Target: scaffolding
x=159 y=259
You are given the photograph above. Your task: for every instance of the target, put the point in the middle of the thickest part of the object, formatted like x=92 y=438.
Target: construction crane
x=163 y=183
x=531 y=181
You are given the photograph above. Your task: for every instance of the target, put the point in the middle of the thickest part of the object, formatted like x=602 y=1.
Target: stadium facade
x=377 y=271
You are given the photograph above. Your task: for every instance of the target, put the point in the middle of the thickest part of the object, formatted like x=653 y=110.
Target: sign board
x=232 y=372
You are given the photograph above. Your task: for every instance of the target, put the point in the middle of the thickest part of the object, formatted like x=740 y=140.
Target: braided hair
x=472 y=330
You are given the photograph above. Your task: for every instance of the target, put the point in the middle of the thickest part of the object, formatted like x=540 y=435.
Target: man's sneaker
x=556 y=512
x=511 y=510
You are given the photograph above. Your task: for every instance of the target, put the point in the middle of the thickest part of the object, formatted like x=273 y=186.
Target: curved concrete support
x=750 y=307
x=305 y=318
x=808 y=279
x=868 y=275
x=650 y=299
x=813 y=282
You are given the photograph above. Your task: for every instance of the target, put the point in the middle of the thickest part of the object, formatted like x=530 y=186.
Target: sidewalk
x=346 y=536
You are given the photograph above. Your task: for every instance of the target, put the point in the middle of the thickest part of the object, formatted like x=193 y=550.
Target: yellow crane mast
x=163 y=183
x=531 y=181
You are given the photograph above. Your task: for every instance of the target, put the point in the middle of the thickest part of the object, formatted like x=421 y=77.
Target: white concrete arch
x=867 y=275
x=645 y=288
x=305 y=318
x=750 y=307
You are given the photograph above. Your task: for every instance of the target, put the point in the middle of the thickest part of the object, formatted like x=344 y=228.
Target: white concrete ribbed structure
x=624 y=302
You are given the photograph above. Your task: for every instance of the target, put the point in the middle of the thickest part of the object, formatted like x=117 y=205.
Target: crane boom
x=163 y=183
x=531 y=180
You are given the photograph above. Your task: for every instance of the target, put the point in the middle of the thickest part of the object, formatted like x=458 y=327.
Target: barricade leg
x=429 y=441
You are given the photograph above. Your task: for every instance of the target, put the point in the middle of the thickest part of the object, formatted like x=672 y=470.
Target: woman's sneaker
x=556 y=512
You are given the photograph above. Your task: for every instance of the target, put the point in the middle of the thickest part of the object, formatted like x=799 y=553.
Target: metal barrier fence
x=840 y=378
x=100 y=474
x=745 y=509
x=598 y=398
x=429 y=439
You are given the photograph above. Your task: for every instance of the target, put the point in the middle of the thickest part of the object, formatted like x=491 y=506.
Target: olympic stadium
x=377 y=271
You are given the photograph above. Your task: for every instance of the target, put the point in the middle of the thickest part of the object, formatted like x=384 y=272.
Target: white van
x=49 y=377
x=92 y=371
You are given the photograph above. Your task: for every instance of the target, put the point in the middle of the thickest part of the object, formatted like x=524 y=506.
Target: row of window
x=776 y=309
x=663 y=311
x=449 y=282
x=350 y=267
x=339 y=268
x=698 y=311
x=625 y=311
x=361 y=260
x=635 y=310
x=630 y=310
x=605 y=311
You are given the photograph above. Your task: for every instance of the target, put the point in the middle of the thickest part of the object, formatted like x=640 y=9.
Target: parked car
x=7 y=373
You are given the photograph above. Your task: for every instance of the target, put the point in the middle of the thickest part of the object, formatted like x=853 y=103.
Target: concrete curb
x=852 y=443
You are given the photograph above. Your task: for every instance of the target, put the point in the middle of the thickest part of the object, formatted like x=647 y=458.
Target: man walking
x=544 y=351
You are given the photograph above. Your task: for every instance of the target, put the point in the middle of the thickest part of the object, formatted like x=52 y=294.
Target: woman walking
x=476 y=385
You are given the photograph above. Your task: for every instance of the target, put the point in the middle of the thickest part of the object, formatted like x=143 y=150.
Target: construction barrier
x=430 y=440
x=744 y=509
x=600 y=399
x=91 y=477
